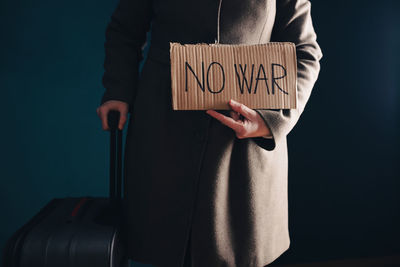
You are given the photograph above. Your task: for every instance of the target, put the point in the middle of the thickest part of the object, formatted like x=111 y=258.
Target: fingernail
x=233 y=102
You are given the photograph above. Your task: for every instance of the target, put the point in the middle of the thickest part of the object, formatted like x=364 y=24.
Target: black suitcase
x=76 y=232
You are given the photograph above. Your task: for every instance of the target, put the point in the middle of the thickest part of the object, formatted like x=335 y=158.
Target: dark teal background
x=343 y=153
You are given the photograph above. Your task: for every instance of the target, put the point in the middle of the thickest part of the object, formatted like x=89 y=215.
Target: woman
x=209 y=185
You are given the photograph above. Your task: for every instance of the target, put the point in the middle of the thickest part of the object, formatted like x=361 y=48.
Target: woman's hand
x=120 y=106
x=246 y=122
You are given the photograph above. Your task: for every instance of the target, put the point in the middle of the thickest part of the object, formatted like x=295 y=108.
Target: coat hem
x=280 y=252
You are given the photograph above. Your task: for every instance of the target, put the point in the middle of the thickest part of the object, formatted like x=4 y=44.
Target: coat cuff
x=265 y=141
x=119 y=95
x=280 y=122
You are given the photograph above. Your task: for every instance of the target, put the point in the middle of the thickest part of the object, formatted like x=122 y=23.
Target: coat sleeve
x=293 y=23
x=125 y=37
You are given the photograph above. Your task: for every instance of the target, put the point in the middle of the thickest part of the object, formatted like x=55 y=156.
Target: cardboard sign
x=205 y=76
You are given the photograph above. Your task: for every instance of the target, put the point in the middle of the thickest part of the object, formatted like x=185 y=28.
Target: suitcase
x=76 y=231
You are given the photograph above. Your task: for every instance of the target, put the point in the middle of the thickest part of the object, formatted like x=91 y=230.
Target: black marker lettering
x=277 y=78
x=241 y=83
x=201 y=84
x=258 y=78
x=223 y=78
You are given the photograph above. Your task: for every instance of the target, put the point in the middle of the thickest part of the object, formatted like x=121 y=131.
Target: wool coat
x=187 y=174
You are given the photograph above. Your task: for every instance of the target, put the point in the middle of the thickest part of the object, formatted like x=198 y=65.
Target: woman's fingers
x=237 y=126
x=234 y=115
x=246 y=122
x=123 y=111
x=247 y=112
x=102 y=113
x=120 y=106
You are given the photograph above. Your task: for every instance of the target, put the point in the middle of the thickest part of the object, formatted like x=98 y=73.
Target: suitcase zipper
x=77 y=209
x=78 y=206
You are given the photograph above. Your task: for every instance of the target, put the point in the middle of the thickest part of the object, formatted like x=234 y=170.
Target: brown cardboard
x=205 y=76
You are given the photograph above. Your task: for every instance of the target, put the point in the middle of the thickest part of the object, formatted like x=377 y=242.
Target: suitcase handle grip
x=113 y=119
x=115 y=157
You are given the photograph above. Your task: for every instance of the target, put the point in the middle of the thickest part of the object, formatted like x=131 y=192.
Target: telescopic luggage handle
x=115 y=157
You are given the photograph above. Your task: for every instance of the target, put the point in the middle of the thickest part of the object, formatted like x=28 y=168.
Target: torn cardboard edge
x=206 y=76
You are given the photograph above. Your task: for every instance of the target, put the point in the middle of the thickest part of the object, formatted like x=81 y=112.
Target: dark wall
x=343 y=153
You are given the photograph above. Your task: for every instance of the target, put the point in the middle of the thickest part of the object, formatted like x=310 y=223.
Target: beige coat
x=187 y=175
